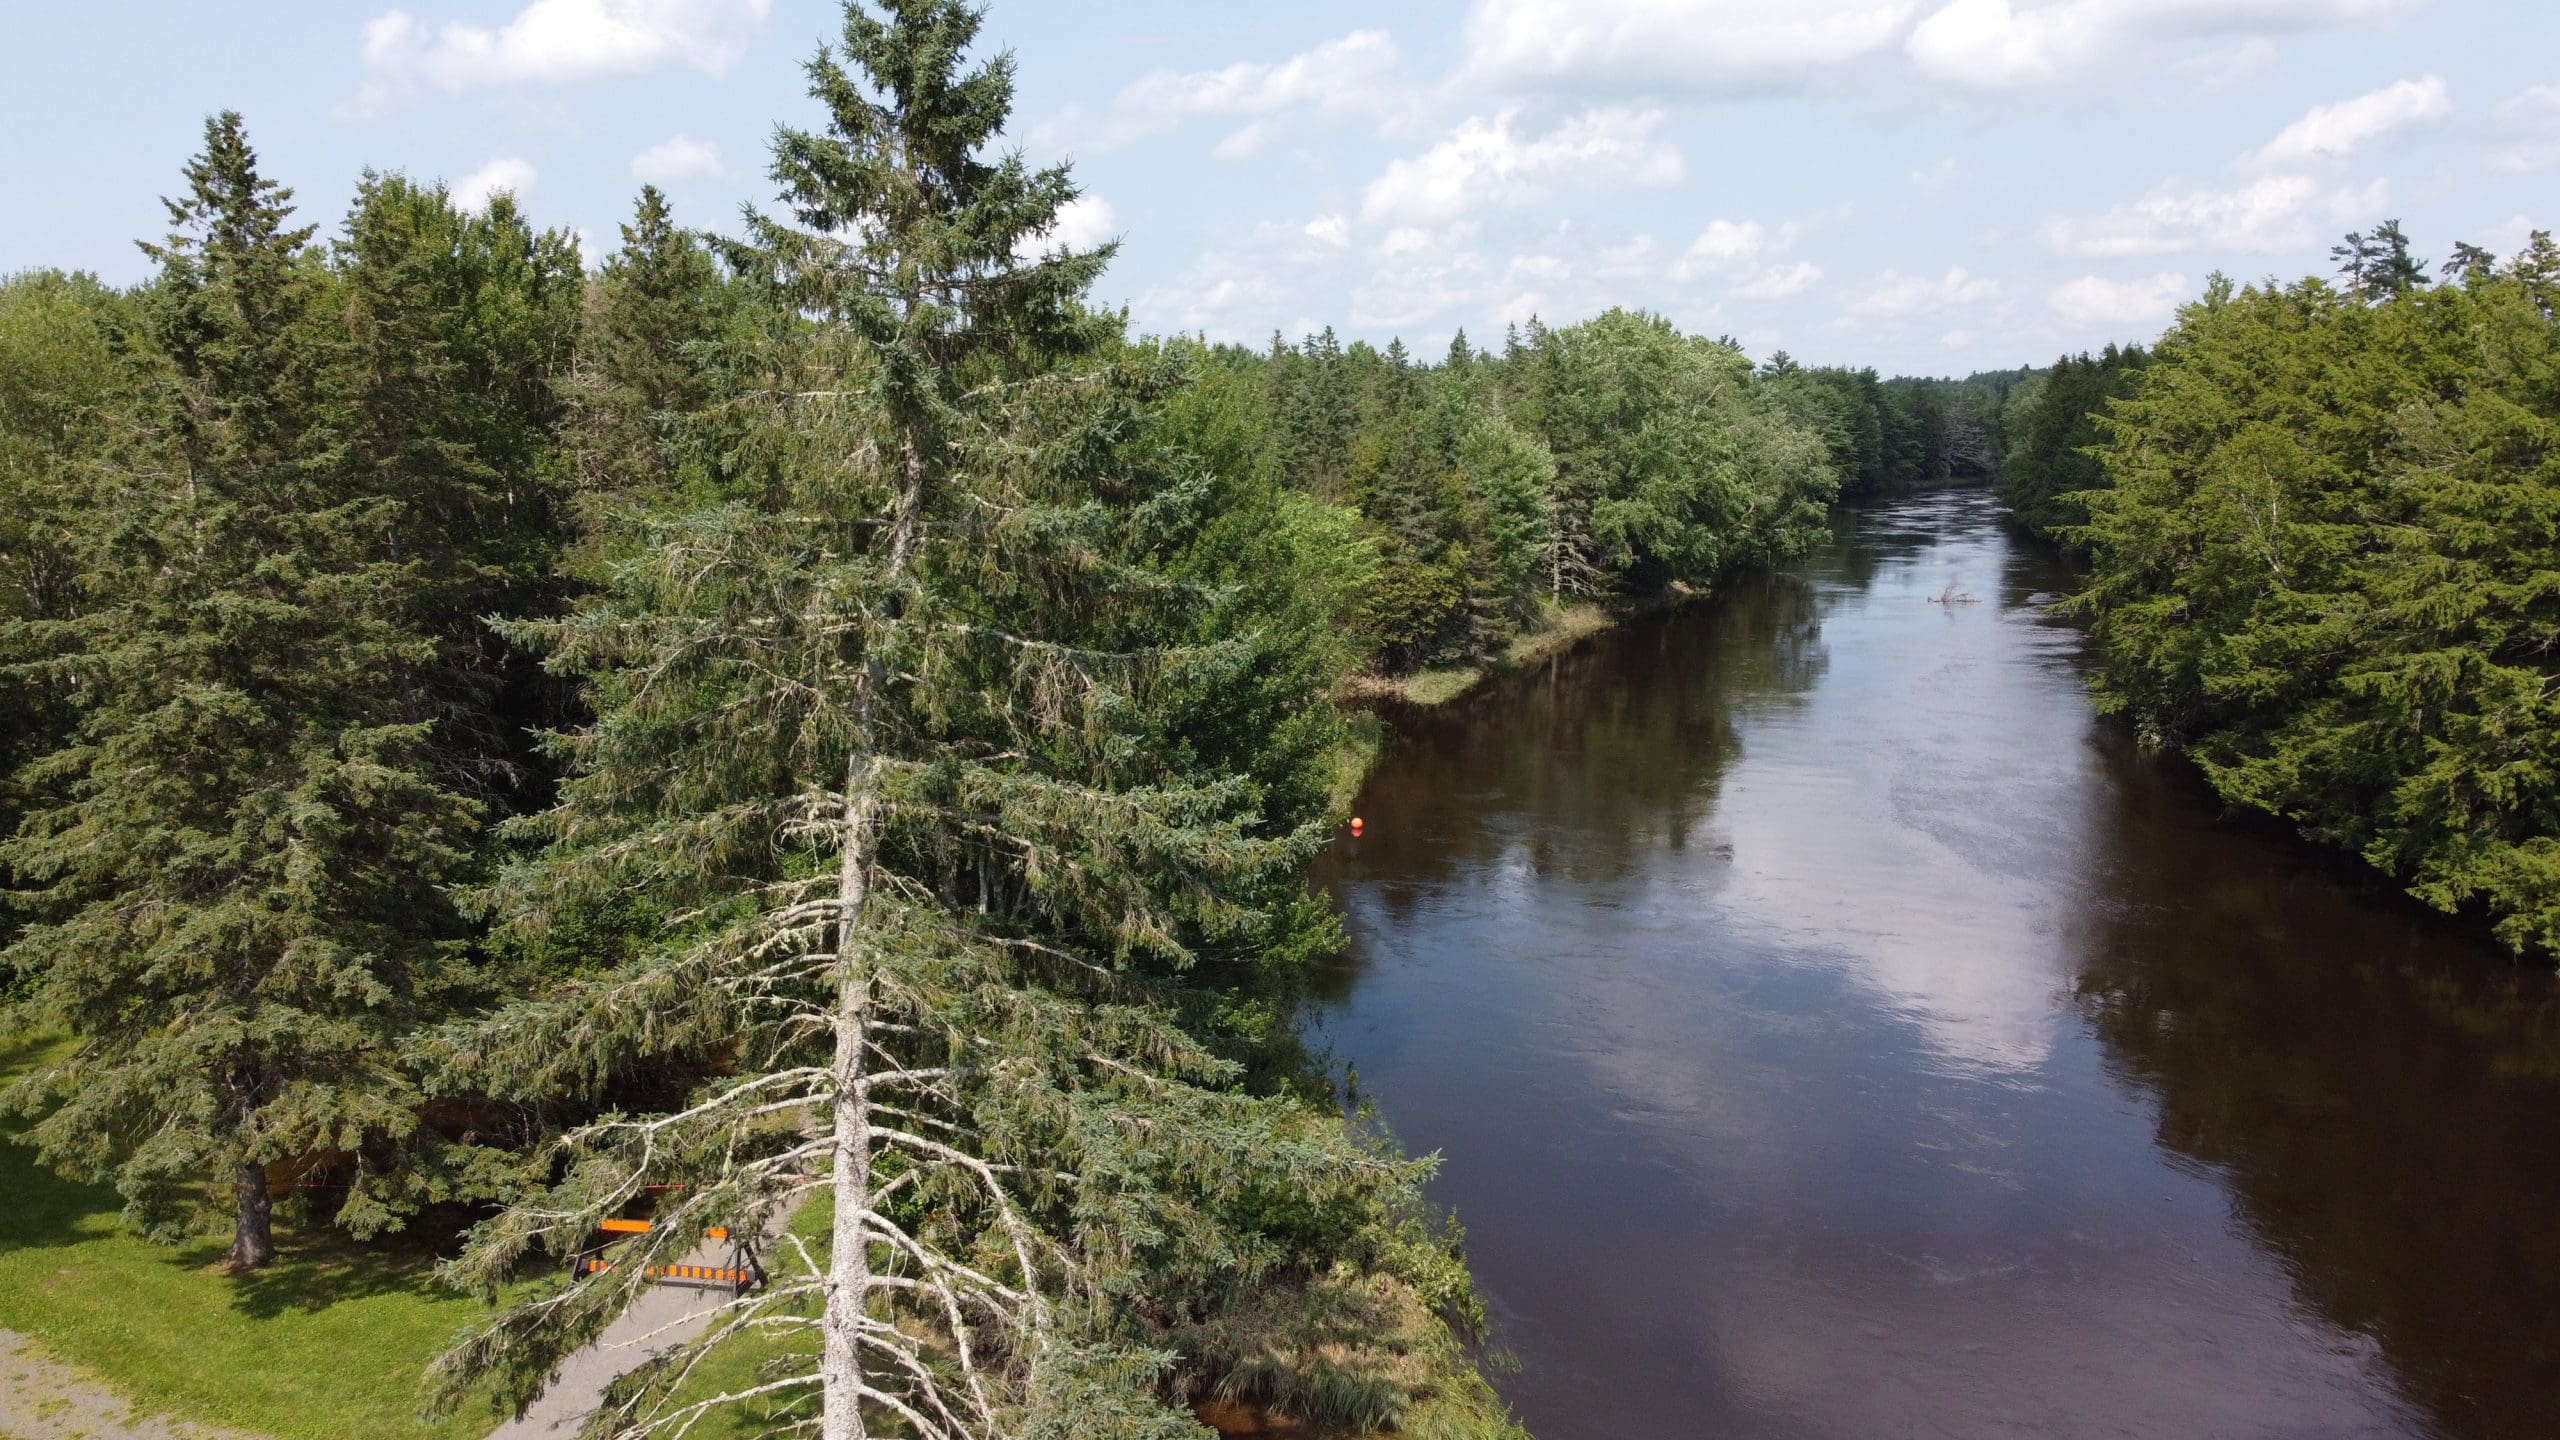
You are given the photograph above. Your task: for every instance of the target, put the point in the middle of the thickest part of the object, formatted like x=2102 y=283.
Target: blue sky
x=1928 y=186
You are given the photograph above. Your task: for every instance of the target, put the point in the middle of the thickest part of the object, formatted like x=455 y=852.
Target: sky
x=1926 y=186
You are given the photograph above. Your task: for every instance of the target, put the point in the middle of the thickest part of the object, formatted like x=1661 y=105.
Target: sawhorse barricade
x=741 y=1274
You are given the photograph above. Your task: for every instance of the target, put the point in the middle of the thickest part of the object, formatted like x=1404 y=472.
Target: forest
x=784 y=729
x=2323 y=525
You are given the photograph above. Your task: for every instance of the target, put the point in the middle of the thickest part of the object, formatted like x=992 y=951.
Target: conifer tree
x=453 y=332
x=867 y=734
x=65 y=392
x=2469 y=264
x=2325 y=565
x=1319 y=417
x=241 y=856
x=2378 y=266
x=642 y=362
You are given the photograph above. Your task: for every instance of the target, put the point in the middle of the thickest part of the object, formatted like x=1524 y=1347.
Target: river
x=1832 y=1028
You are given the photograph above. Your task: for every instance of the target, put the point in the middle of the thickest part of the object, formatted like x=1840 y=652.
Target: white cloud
x=550 y=41
x=1727 y=240
x=2146 y=303
x=1895 y=293
x=509 y=174
x=1330 y=230
x=1627 y=260
x=1993 y=44
x=2528 y=130
x=1549 y=268
x=2273 y=214
x=1520 y=308
x=1670 y=46
x=1235 y=288
x=1244 y=143
x=2507 y=239
x=1484 y=163
x=1726 y=244
x=2332 y=132
x=1420 y=288
x=1348 y=76
x=677 y=158
x=1217 y=299
x=1779 y=282
x=1405 y=240
x=2227 y=65
x=1082 y=223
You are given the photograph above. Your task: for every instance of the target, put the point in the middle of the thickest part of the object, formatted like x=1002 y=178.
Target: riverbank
x=1564 y=627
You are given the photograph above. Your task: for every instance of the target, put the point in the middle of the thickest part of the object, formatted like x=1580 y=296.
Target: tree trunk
x=840 y=1368
x=253 y=1236
x=841 y=1378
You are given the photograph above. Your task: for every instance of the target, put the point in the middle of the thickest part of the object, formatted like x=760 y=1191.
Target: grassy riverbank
x=327 y=1343
x=1560 y=628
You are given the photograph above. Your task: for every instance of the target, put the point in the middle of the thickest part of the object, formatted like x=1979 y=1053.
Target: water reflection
x=1831 y=1031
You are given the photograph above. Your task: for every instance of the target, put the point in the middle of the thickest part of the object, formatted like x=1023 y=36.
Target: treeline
x=2052 y=424
x=810 y=714
x=1617 y=457
x=2324 y=525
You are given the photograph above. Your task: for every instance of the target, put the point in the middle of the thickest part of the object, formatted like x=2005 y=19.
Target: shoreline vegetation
x=1558 y=630
x=2322 y=521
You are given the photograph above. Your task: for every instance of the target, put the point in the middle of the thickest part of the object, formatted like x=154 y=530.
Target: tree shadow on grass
x=38 y=1205
x=317 y=1266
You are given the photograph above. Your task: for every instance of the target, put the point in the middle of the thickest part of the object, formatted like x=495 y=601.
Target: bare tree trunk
x=841 y=1377
x=849 y=1266
x=253 y=1236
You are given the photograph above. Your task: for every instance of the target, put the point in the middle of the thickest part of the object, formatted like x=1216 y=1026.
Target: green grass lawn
x=326 y=1344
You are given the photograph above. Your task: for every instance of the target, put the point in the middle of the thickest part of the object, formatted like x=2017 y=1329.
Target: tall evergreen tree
x=645 y=358
x=2378 y=266
x=65 y=397
x=1319 y=417
x=242 y=851
x=2469 y=264
x=866 y=732
x=454 y=334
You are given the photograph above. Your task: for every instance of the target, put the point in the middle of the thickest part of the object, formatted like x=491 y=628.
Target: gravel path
x=660 y=1319
x=42 y=1399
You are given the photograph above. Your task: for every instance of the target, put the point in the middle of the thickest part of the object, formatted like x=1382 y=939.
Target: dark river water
x=1832 y=1028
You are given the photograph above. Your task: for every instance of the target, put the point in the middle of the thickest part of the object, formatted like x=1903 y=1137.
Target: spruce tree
x=643 y=360
x=65 y=391
x=868 y=735
x=241 y=854
x=454 y=332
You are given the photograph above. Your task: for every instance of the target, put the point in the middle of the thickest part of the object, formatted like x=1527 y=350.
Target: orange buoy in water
x=1355 y=825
